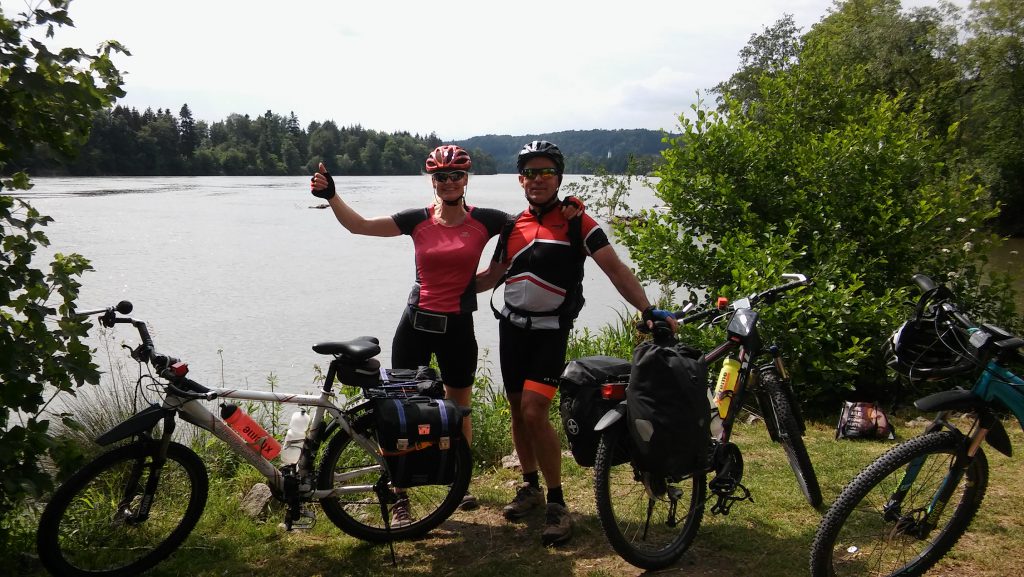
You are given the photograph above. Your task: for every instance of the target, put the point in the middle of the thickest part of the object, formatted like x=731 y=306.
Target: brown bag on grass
x=864 y=420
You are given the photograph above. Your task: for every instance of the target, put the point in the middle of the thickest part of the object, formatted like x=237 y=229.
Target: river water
x=241 y=275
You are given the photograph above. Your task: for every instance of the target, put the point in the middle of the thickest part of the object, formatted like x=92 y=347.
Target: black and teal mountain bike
x=909 y=507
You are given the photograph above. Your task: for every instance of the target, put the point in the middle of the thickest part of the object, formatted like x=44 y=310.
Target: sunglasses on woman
x=532 y=173
x=454 y=176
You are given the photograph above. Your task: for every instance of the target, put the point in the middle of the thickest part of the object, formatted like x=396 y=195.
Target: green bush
x=492 y=423
x=849 y=189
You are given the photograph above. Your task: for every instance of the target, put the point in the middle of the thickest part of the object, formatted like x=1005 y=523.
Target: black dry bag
x=667 y=408
x=418 y=436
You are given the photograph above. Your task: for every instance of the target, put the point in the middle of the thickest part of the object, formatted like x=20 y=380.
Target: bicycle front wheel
x=789 y=434
x=864 y=534
x=346 y=467
x=650 y=530
x=97 y=523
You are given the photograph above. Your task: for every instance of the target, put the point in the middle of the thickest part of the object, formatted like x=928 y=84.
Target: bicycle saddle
x=359 y=349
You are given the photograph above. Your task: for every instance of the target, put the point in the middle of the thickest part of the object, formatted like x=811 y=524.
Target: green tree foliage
x=994 y=54
x=971 y=86
x=819 y=177
x=768 y=53
x=124 y=142
x=46 y=98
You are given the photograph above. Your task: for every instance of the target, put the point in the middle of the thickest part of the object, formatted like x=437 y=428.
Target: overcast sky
x=458 y=69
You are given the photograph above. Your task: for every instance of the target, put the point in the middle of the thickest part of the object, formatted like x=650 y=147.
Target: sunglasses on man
x=454 y=176
x=532 y=173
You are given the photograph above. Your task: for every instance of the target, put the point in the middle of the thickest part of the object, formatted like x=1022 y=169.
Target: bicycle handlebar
x=930 y=290
x=940 y=299
x=146 y=353
x=769 y=295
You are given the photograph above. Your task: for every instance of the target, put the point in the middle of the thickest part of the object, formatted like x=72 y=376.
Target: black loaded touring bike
x=909 y=507
x=651 y=522
x=134 y=505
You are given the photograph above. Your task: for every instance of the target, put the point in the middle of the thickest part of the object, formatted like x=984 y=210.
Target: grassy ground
x=770 y=537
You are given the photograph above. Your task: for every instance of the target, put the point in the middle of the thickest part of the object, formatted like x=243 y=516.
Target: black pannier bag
x=581 y=405
x=667 y=409
x=417 y=437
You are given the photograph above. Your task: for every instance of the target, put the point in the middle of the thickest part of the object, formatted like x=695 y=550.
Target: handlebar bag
x=666 y=409
x=417 y=436
x=581 y=405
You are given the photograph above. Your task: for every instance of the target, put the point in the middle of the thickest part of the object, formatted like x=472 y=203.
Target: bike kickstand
x=385 y=497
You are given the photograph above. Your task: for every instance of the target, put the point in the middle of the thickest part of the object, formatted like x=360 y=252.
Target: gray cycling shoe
x=400 y=516
x=557 y=525
x=527 y=498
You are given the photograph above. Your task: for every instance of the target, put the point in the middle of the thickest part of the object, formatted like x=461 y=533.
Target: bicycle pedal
x=725 y=500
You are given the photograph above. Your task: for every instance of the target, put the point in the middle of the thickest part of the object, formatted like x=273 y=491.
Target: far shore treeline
x=125 y=142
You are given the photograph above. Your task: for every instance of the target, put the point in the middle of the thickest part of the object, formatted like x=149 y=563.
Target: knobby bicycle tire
x=360 y=514
x=644 y=530
x=855 y=538
x=790 y=436
x=91 y=526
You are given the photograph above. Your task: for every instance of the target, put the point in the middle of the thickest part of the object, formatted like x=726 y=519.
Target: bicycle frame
x=201 y=417
x=198 y=415
x=748 y=347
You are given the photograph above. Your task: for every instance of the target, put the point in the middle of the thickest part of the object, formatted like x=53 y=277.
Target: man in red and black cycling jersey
x=543 y=257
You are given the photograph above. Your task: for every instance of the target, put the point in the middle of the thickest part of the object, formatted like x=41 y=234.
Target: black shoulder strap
x=501 y=250
x=501 y=255
x=576 y=232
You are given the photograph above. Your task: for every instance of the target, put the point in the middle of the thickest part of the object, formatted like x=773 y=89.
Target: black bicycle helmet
x=924 y=349
x=541 y=148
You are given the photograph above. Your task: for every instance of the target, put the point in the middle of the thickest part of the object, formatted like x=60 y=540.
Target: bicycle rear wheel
x=360 y=514
x=650 y=532
x=95 y=524
x=790 y=436
x=857 y=536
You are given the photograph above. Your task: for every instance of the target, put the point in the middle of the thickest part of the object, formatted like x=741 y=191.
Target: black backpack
x=581 y=405
x=667 y=408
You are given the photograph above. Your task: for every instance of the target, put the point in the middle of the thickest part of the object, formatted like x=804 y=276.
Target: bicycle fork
x=139 y=468
x=919 y=526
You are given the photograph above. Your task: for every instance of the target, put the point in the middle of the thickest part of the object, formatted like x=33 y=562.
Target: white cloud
x=458 y=70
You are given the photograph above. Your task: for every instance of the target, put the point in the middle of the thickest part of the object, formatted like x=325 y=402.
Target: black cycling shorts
x=449 y=337
x=536 y=354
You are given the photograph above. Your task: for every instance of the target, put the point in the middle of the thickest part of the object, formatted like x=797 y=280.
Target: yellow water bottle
x=726 y=385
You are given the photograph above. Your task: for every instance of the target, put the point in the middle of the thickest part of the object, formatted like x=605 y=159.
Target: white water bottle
x=294 y=437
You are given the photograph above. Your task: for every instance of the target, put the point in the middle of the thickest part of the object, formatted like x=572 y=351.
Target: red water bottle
x=254 y=435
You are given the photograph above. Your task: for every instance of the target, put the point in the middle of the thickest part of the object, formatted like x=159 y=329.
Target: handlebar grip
x=161 y=361
x=698 y=316
x=959 y=317
x=924 y=282
x=661 y=328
